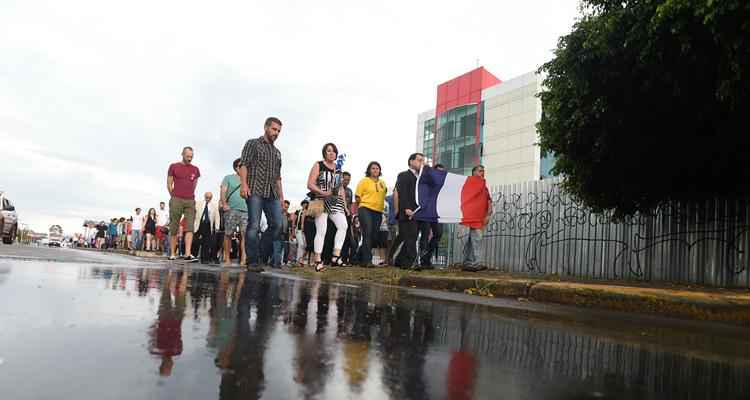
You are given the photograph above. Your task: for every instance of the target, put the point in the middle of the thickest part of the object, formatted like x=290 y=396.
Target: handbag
x=315 y=208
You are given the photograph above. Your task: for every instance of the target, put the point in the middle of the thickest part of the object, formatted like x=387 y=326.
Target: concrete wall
x=511 y=110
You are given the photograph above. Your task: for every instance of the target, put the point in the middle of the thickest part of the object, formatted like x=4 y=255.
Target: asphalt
x=90 y=325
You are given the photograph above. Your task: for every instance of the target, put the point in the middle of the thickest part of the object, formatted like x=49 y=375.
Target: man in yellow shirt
x=370 y=199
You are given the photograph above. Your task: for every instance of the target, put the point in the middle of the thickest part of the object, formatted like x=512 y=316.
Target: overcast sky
x=97 y=98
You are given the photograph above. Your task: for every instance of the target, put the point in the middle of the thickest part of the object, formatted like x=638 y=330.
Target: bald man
x=206 y=225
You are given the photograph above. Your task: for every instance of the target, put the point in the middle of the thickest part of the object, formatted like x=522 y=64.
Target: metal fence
x=537 y=228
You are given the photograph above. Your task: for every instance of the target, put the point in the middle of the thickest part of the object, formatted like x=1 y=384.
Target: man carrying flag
x=474 y=248
x=450 y=198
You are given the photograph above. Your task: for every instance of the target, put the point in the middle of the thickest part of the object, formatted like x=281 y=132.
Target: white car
x=8 y=220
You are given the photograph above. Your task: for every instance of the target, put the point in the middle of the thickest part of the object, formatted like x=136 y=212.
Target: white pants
x=321 y=226
x=300 y=244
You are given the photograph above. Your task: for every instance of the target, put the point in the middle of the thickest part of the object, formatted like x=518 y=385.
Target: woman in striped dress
x=324 y=184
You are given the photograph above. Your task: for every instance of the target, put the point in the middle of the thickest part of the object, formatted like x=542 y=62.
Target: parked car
x=8 y=220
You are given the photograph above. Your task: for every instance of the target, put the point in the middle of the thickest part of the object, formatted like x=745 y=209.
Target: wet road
x=98 y=326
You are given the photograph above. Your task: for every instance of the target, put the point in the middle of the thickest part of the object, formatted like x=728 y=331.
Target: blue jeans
x=271 y=207
x=136 y=239
x=277 y=250
x=167 y=248
x=369 y=221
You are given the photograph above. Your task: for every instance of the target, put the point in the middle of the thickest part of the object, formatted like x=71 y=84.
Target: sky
x=97 y=98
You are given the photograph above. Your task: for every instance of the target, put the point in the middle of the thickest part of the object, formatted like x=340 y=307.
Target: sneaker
x=191 y=259
x=172 y=258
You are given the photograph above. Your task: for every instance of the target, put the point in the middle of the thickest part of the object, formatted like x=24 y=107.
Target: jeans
x=473 y=248
x=277 y=253
x=167 y=242
x=271 y=207
x=370 y=223
x=136 y=239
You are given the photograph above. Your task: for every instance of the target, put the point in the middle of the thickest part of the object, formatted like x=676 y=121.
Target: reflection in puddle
x=281 y=338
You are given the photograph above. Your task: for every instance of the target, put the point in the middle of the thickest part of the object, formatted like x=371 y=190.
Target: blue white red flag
x=445 y=197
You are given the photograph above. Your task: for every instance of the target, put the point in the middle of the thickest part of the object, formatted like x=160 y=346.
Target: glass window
x=456 y=142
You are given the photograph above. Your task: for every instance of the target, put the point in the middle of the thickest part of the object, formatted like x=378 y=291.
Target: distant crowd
x=250 y=221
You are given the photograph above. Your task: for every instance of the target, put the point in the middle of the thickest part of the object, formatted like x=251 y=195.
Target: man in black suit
x=405 y=202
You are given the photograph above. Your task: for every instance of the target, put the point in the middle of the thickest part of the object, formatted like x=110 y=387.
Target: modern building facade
x=479 y=119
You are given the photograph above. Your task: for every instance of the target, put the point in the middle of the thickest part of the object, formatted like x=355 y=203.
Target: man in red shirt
x=182 y=179
x=474 y=247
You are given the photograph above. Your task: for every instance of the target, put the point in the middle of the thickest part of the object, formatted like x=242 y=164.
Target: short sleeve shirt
x=236 y=202
x=162 y=217
x=185 y=179
x=263 y=162
x=371 y=194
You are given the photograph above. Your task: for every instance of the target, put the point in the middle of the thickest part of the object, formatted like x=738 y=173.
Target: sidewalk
x=682 y=301
x=699 y=303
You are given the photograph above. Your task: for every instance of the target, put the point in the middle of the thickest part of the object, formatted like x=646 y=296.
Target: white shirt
x=162 y=217
x=137 y=222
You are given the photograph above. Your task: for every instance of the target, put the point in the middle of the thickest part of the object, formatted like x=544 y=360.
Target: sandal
x=319 y=266
x=336 y=262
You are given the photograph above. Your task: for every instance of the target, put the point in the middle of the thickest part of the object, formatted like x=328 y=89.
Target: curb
x=496 y=287
x=706 y=306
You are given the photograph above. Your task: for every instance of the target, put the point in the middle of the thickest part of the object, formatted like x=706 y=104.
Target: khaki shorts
x=177 y=208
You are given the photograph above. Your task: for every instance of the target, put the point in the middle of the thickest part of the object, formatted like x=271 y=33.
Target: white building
x=482 y=120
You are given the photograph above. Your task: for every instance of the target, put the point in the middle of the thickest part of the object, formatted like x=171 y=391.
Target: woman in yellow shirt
x=370 y=199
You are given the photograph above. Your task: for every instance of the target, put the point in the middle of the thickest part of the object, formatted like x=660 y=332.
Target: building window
x=456 y=139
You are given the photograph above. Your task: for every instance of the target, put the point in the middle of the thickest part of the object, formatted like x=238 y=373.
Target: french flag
x=450 y=198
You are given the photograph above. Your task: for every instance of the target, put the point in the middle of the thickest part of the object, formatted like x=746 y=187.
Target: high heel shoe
x=337 y=262
x=319 y=266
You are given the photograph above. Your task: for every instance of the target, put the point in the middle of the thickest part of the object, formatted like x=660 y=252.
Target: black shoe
x=191 y=259
x=474 y=268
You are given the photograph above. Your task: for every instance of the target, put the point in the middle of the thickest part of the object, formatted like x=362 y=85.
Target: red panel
x=453 y=90
x=462 y=90
x=489 y=80
x=464 y=85
x=476 y=81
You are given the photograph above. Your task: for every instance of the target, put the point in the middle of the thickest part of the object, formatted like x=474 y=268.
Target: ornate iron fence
x=537 y=228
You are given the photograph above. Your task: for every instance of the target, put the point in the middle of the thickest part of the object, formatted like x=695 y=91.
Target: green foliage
x=644 y=102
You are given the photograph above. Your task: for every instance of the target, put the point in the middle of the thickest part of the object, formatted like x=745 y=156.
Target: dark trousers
x=347 y=252
x=428 y=246
x=369 y=221
x=327 y=253
x=203 y=243
x=407 y=230
x=266 y=247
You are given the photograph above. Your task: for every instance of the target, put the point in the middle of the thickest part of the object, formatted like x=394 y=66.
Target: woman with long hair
x=324 y=182
x=150 y=229
x=370 y=199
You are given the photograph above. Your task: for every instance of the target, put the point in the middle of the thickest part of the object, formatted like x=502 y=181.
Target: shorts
x=234 y=219
x=177 y=208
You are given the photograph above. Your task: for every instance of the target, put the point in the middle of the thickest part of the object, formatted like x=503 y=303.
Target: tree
x=647 y=101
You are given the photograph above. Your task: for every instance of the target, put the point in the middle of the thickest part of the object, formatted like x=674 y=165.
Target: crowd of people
x=251 y=222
